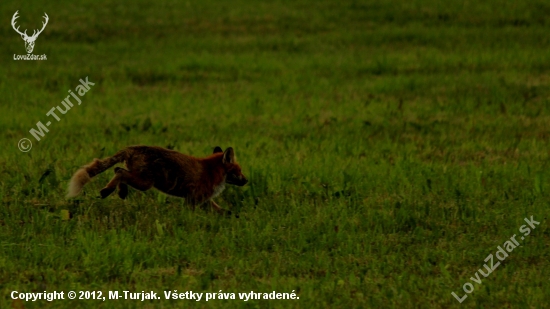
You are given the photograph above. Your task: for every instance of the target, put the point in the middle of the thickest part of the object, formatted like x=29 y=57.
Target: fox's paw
x=122 y=191
x=228 y=213
x=106 y=192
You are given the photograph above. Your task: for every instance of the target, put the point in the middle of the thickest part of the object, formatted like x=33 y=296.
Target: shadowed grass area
x=390 y=148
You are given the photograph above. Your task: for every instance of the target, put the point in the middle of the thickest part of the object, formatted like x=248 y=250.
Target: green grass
x=390 y=148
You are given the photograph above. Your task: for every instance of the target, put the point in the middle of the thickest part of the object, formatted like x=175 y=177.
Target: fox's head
x=233 y=175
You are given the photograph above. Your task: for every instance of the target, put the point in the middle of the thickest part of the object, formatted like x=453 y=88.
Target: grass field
x=390 y=146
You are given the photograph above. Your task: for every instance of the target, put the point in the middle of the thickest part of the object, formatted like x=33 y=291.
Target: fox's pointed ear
x=229 y=156
x=217 y=149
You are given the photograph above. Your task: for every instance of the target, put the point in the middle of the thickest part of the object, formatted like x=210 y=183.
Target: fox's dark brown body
x=198 y=180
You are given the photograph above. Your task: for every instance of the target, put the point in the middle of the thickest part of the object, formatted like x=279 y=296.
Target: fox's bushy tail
x=85 y=173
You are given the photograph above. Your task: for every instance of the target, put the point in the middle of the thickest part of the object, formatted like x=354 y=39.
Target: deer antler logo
x=29 y=40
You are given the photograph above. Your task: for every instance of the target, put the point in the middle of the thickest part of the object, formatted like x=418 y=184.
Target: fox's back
x=167 y=167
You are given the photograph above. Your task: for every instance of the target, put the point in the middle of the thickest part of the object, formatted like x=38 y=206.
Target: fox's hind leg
x=122 y=179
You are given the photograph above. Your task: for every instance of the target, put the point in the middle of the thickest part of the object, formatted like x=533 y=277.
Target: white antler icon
x=29 y=40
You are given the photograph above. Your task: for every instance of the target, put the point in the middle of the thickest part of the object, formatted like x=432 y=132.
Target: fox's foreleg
x=219 y=209
x=216 y=207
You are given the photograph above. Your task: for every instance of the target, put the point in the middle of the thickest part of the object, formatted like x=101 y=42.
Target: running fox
x=197 y=180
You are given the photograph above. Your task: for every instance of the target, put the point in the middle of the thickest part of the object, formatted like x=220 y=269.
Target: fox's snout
x=240 y=181
x=237 y=180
